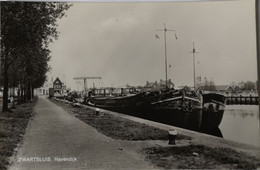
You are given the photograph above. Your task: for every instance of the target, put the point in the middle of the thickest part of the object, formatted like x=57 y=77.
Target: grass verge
x=12 y=128
x=117 y=127
x=199 y=157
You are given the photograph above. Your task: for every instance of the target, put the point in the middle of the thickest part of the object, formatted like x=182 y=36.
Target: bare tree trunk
x=28 y=94
x=23 y=94
x=19 y=94
x=33 y=93
x=6 y=79
x=13 y=97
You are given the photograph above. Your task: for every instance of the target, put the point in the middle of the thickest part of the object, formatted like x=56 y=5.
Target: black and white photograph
x=129 y=85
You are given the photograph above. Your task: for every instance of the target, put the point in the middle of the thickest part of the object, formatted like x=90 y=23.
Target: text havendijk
x=47 y=159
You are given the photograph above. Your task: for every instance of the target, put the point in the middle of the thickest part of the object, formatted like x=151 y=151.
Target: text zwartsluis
x=47 y=159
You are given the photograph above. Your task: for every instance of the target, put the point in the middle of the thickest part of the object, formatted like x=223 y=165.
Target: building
x=155 y=86
x=44 y=90
x=151 y=86
x=223 y=89
x=58 y=86
x=170 y=84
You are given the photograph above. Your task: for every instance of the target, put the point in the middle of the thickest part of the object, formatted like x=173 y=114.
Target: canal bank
x=197 y=138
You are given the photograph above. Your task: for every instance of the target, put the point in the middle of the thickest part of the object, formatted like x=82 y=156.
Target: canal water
x=240 y=123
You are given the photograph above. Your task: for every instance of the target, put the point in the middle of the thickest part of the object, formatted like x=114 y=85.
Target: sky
x=117 y=41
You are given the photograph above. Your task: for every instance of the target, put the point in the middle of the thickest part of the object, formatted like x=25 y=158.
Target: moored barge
x=213 y=110
x=182 y=107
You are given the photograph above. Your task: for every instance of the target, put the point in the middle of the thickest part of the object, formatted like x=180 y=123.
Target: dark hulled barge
x=182 y=107
x=213 y=110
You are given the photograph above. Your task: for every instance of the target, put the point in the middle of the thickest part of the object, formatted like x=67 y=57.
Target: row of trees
x=207 y=84
x=27 y=28
x=245 y=85
x=210 y=85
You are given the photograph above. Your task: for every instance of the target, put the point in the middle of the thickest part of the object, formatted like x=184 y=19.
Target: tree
x=198 y=82
x=207 y=85
x=249 y=85
x=27 y=28
x=245 y=85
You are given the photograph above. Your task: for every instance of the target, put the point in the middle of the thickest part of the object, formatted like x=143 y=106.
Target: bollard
x=172 y=137
x=97 y=111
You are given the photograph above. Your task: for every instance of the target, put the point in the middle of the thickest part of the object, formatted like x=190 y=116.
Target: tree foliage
x=246 y=85
x=205 y=84
x=27 y=28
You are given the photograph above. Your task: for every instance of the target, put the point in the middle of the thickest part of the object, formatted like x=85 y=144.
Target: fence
x=242 y=100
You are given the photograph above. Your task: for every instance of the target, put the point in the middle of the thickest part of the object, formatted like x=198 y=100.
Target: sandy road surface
x=54 y=134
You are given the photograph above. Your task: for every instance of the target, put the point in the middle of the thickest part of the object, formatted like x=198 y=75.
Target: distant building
x=224 y=89
x=151 y=86
x=155 y=86
x=44 y=90
x=162 y=84
x=58 y=86
x=243 y=92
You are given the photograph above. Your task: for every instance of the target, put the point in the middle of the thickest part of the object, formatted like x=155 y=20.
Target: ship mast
x=165 y=50
x=194 y=73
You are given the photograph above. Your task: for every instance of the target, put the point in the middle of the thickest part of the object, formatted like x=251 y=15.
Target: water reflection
x=235 y=113
x=241 y=123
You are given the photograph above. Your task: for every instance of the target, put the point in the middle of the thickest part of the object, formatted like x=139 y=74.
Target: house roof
x=150 y=84
x=57 y=80
x=223 y=87
x=219 y=87
x=163 y=83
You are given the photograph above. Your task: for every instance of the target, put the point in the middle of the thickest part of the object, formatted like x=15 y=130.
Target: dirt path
x=54 y=134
